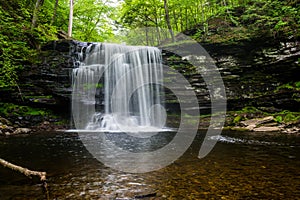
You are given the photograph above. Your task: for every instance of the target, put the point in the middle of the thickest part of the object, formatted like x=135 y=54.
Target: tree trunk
x=70 y=19
x=168 y=20
x=54 y=12
x=38 y=4
x=157 y=27
x=175 y=19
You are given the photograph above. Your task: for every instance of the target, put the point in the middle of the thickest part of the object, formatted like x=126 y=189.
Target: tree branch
x=23 y=170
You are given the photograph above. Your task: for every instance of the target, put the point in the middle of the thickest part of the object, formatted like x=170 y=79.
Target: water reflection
x=241 y=166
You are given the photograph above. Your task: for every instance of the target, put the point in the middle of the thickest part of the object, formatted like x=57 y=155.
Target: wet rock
x=292 y=127
x=4 y=121
x=266 y=124
x=292 y=130
x=6 y=129
x=252 y=123
x=267 y=129
x=251 y=72
x=19 y=131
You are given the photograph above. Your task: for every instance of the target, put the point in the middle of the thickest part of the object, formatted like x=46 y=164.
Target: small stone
x=5 y=121
x=3 y=126
x=46 y=123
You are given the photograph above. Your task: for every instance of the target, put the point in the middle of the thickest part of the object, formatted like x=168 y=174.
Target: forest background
x=26 y=25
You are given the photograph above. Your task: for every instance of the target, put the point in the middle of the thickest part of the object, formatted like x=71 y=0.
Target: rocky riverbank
x=262 y=125
x=12 y=128
x=266 y=124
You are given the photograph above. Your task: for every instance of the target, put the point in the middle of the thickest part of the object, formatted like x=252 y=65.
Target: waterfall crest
x=118 y=88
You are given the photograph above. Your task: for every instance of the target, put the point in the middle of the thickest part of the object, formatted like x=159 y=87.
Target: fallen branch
x=23 y=170
x=28 y=173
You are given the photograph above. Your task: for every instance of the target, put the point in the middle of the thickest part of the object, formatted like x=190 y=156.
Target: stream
x=242 y=165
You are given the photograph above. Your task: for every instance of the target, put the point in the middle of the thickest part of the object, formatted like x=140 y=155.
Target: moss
x=91 y=86
x=250 y=110
x=237 y=119
x=284 y=116
x=289 y=86
x=288 y=116
x=278 y=119
x=62 y=122
x=39 y=97
x=10 y=109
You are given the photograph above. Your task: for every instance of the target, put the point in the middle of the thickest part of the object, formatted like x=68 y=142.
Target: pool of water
x=241 y=166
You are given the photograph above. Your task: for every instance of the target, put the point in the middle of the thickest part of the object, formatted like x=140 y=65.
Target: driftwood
x=23 y=170
x=28 y=173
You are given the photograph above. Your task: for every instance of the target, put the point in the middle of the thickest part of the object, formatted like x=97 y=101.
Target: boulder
x=265 y=124
x=252 y=123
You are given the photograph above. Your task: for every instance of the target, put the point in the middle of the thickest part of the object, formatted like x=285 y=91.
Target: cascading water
x=118 y=88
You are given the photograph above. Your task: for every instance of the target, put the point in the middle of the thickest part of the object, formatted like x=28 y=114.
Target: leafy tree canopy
x=26 y=24
x=230 y=19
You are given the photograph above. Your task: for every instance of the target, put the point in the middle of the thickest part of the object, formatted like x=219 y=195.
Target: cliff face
x=47 y=84
x=252 y=74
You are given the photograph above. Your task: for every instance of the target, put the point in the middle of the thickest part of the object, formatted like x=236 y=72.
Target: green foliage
x=278 y=119
x=287 y=116
x=19 y=42
x=13 y=48
x=290 y=86
x=284 y=116
x=237 y=119
x=92 y=86
x=9 y=109
x=250 y=109
x=205 y=19
x=92 y=20
x=272 y=18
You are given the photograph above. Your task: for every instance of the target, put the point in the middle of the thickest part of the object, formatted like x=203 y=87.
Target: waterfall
x=118 y=88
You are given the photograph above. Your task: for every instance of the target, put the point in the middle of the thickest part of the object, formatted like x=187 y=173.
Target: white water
x=118 y=88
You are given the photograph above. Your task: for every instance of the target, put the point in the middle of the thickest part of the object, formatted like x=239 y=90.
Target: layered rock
x=251 y=73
